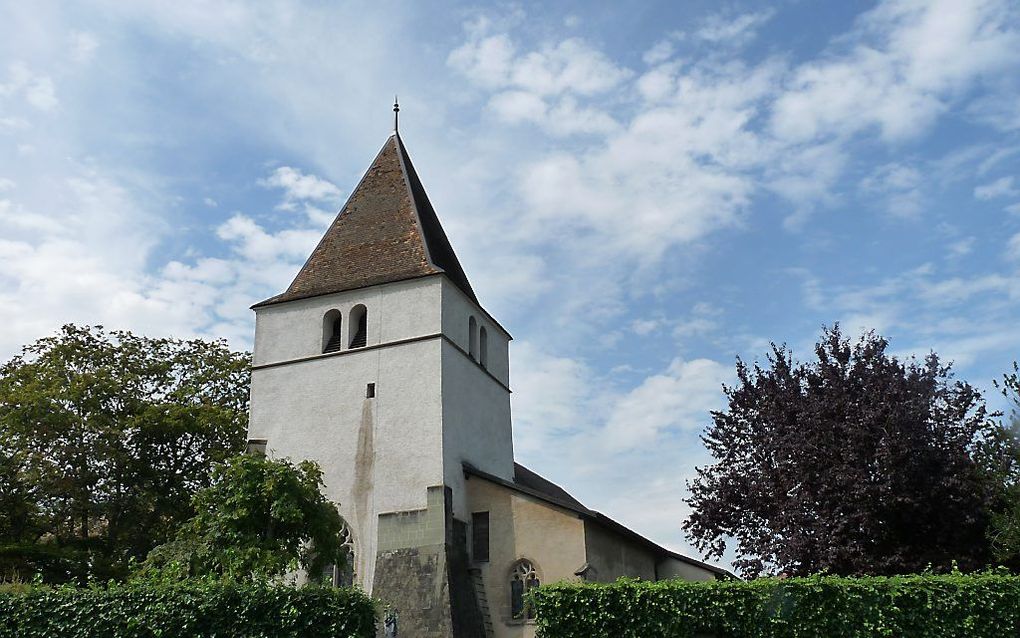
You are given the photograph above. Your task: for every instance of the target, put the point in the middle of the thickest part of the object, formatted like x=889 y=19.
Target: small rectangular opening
x=257 y=446
x=480 y=537
x=370 y=391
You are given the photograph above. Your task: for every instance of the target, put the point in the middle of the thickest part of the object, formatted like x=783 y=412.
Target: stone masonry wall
x=421 y=572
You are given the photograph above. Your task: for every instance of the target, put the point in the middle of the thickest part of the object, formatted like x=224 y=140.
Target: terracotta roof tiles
x=386 y=232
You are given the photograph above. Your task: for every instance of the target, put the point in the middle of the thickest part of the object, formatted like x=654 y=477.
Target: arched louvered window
x=473 y=338
x=483 y=347
x=358 y=326
x=523 y=578
x=332 y=322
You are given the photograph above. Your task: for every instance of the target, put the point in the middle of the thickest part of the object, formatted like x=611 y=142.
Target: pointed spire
x=387 y=231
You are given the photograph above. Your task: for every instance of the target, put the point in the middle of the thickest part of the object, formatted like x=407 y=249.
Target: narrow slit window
x=480 y=536
x=473 y=338
x=370 y=391
x=483 y=347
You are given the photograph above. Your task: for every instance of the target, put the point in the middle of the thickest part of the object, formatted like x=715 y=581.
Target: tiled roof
x=532 y=484
x=387 y=231
x=526 y=478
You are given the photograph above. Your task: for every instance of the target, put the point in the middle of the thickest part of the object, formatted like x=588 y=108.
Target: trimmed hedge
x=973 y=606
x=144 y=610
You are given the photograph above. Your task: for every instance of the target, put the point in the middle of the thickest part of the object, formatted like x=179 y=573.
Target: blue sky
x=639 y=193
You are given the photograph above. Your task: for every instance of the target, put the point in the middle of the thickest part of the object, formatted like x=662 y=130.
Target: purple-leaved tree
x=858 y=462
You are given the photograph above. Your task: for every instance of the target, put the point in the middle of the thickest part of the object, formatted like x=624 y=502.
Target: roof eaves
x=272 y=301
x=430 y=228
x=473 y=471
x=414 y=203
x=597 y=517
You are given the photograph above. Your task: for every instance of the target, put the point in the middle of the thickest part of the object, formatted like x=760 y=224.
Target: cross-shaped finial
x=396 y=113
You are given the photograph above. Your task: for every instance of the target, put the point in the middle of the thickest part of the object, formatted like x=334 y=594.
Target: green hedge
x=184 y=611
x=971 y=606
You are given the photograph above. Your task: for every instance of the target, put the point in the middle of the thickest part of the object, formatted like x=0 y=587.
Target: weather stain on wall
x=364 y=468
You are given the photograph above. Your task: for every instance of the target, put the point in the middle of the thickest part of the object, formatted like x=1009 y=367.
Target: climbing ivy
x=953 y=605
x=185 y=610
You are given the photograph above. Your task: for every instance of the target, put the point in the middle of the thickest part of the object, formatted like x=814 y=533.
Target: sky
x=640 y=192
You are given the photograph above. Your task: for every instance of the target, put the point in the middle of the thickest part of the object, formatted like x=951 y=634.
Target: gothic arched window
x=483 y=347
x=473 y=338
x=342 y=575
x=332 y=322
x=523 y=578
x=359 y=326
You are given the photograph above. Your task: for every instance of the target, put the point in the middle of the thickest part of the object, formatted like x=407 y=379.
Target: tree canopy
x=1005 y=528
x=261 y=518
x=857 y=462
x=104 y=438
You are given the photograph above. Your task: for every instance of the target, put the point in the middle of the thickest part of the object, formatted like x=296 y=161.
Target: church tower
x=379 y=363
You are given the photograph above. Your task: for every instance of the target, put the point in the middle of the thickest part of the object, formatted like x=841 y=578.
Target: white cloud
x=299 y=187
x=1000 y=110
x=1013 y=247
x=485 y=60
x=36 y=89
x=678 y=398
x=660 y=52
x=734 y=31
x=550 y=395
x=703 y=319
x=1002 y=187
x=694 y=156
x=518 y=106
x=604 y=443
x=910 y=60
x=543 y=86
x=962 y=247
x=569 y=66
x=86 y=261
x=644 y=327
x=83 y=46
x=916 y=303
x=899 y=185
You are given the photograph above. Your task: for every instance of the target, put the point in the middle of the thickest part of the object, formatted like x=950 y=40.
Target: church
x=379 y=363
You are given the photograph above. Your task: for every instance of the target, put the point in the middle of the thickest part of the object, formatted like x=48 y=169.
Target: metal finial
x=396 y=113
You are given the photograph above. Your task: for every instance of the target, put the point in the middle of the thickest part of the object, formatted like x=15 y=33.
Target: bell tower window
x=332 y=322
x=483 y=347
x=359 y=322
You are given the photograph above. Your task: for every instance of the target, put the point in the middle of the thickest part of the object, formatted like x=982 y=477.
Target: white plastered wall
x=476 y=400
x=377 y=455
x=435 y=407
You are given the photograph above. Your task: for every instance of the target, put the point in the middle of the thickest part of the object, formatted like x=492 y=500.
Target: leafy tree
x=260 y=519
x=104 y=437
x=857 y=463
x=1005 y=528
